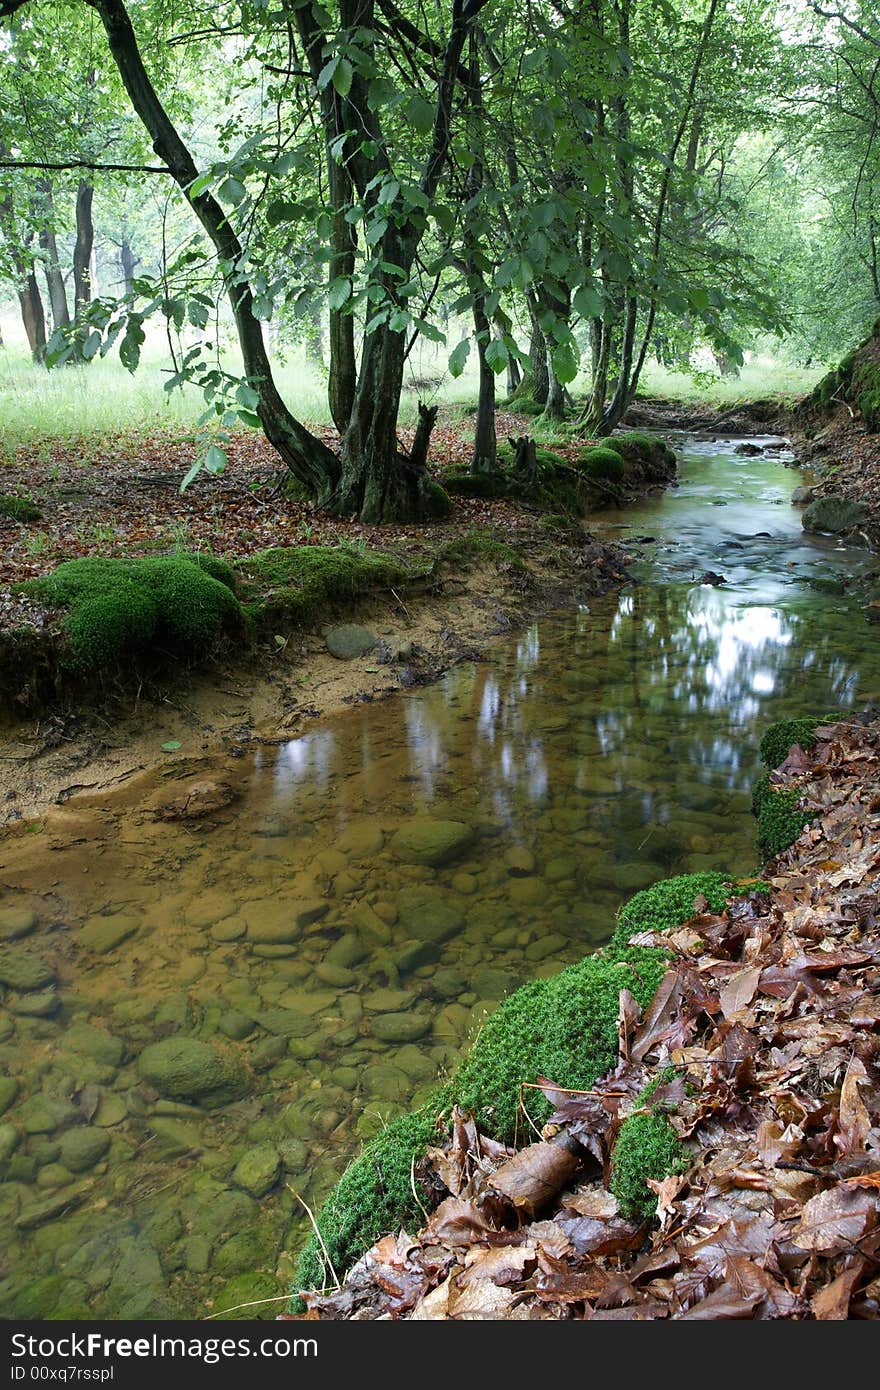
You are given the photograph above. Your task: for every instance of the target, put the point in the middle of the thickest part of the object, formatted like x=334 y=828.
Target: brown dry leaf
x=593 y=1201
x=834 y=1220
x=478 y=1300
x=434 y=1306
x=854 y=1122
x=726 y=1302
x=457 y=1222
x=831 y=1304
x=505 y=1264
x=739 y=991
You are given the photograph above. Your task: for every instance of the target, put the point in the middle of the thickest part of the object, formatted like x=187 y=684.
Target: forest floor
x=122 y=499
x=768 y=1015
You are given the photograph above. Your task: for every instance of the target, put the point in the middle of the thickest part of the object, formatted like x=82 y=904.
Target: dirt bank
x=288 y=680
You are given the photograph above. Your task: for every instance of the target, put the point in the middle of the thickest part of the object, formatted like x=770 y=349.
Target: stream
x=323 y=952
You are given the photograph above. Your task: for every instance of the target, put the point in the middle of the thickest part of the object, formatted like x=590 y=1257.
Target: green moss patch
x=19 y=508
x=375 y=1194
x=301 y=578
x=780 y=817
x=564 y=1028
x=489 y=485
x=605 y=464
x=180 y=605
x=780 y=737
x=475 y=547
x=669 y=903
x=647 y=1147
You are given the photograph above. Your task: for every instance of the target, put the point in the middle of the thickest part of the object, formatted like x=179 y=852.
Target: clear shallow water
x=600 y=750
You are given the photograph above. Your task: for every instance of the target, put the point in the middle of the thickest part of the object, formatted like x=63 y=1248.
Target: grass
x=79 y=403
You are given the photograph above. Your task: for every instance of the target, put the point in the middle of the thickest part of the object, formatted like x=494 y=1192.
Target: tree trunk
x=33 y=315
x=514 y=375
x=127 y=264
x=54 y=278
x=484 y=458
x=538 y=355
x=82 y=250
x=379 y=483
x=555 y=407
x=307 y=457
x=418 y=454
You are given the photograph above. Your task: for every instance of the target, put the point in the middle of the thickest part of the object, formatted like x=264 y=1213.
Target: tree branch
x=85 y=164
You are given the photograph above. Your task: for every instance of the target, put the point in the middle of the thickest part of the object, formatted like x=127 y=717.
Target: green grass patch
x=19 y=508
x=116 y=608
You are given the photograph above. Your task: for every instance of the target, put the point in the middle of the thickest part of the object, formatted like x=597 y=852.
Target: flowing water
x=604 y=748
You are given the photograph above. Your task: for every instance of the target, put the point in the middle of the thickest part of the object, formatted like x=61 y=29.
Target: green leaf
x=191 y=475
x=565 y=362
x=587 y=302
x=251 y=419
x=497 y=355
x=232 y=191
x=172 y=745
x=339 y=292
x=91 y=345
x=197 y=313
x=215 y=459
x=458 y=357
x=420 y=114
x=342 y=75
x=247 y=396
x=130 y=347
x=325 y=76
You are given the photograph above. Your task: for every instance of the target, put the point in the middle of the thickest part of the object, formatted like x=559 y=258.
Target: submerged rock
x=104 y=934
x=82 y=1148
x=424 y=840
x=191 y=801
x=23 y=972
x=258 y=1169
x=188 y=1069
x=17 y=921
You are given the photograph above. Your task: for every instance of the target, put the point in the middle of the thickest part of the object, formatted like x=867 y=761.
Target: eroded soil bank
x=758 y=1055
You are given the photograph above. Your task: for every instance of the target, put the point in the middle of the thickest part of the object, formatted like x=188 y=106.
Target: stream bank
x=747 y=1093
x=582 y=760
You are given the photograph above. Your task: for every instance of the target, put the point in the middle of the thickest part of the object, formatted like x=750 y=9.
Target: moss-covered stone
x=833 y=515
x=647 y=1147
x=117 y=608
x=301 y=579
x=780 y=817
x=564 y=1028
x=375 y=1194
x=778 y=738
x=189 y=1069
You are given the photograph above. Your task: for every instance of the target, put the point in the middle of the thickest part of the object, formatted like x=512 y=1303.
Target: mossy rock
x=564 y=1028
x=647 y=1147
x=374 y=1195
x=476 y=547
x=833 y=515
x=526 y=405
x=438 y=503
x=189 y=1069
x=19 y=508
x=116 y=608
x=779 y=815
x=668 y=903
x=605 y=464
